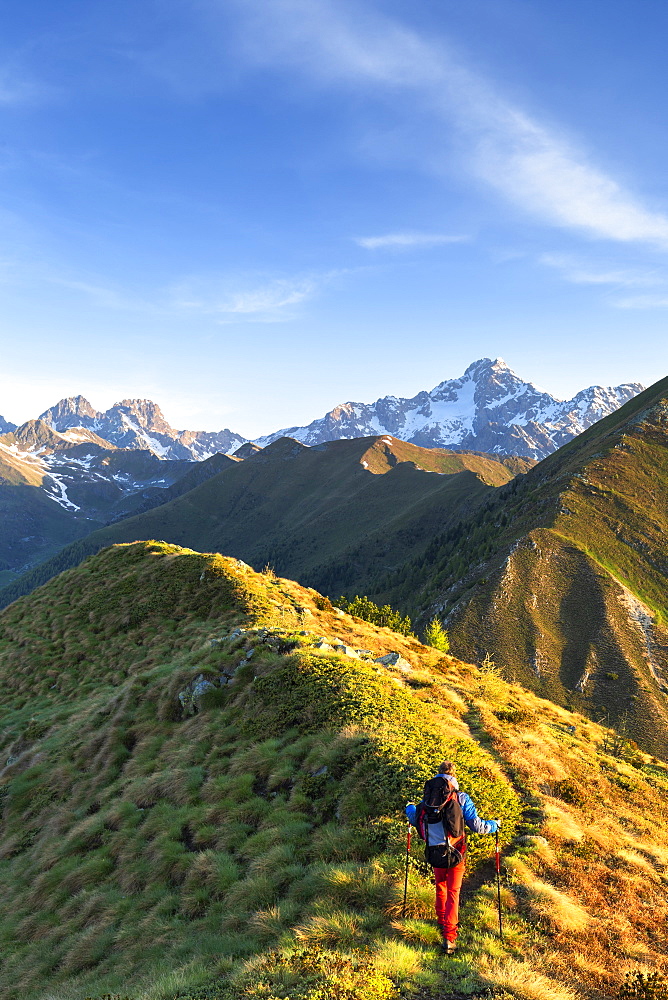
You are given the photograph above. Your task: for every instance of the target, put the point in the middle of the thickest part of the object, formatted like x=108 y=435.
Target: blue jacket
x=471 y=817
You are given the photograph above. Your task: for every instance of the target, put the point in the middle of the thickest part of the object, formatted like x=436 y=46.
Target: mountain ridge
x=488 y=409
x=309 y=510
x=203 y=777
x=56 y=487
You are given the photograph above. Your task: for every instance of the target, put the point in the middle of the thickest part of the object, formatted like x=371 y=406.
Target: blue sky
x=251 y=210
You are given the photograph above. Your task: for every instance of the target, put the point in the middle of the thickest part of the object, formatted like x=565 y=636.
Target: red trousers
x=448 y=882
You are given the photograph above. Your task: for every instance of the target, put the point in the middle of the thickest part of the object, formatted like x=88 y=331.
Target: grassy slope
x=562 y=576
x=250 y=848
x=314 y=513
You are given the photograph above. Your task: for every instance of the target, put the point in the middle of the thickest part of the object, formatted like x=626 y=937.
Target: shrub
x=517 y=716
x=385 y=616
x=643 y=986
x=314 y=974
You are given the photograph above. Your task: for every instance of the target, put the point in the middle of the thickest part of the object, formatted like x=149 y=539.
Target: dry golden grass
x=561 y=824
x=522 y=980
x=556 y=908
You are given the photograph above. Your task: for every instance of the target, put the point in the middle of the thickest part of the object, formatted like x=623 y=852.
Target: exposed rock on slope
x=488 y=409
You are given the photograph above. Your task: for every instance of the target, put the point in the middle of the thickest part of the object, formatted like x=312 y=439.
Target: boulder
x=191 y=694
x=394 y=660
x=346 y=650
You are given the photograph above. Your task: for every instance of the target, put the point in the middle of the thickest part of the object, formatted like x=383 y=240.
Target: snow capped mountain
x=488 y=409
x=79 y=470
x=140 y=424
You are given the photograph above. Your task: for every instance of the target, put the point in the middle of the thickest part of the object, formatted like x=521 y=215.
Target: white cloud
x=405 y=241
x=534 y=166
x=548 y=176
x=643 y=302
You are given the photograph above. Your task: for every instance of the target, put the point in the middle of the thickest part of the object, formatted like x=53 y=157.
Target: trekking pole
x=408 y=847
x=498 y=883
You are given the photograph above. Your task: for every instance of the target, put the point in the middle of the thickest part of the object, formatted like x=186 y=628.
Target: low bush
x=368 y=611
x=643 y=986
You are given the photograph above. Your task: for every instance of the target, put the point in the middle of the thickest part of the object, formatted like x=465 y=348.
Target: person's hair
x=447 y=767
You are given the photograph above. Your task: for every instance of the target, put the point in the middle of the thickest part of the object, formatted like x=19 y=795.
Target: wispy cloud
x=257 y=298
x=532 y=164
x=17 y=88
x=643 y=302
x=407 y=241
x=582 y=273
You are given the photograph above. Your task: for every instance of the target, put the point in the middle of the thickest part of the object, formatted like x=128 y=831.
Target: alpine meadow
x=334 y=646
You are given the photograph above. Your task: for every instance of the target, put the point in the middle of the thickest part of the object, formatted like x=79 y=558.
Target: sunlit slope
x=189 y=806
x=328 y=516
x=561 y=578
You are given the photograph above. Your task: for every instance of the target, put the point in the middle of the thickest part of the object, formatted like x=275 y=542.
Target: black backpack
x=440 y=809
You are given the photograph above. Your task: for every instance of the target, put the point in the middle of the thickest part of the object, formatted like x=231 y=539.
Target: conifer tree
x=436 y=636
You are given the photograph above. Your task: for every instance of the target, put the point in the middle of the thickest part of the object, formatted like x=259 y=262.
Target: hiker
x=443 y=812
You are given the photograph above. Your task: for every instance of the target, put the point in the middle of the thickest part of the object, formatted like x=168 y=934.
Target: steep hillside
x=318 y=514
x=202 y=797
x=561 y=578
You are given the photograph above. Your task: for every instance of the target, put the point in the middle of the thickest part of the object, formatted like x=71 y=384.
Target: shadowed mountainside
x=55 y=488
x=326 y=515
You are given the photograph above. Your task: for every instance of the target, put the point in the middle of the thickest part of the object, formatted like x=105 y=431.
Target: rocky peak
x=489 y=408
x=73 y=411
x=147 y=414
x=36 y=434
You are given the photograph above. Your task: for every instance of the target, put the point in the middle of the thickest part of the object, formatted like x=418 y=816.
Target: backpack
x=440 y=823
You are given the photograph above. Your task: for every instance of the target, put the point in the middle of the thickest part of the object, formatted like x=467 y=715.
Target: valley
x=328 y=515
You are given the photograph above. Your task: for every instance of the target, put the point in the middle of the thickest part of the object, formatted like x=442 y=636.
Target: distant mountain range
x=489 y=409
x=139 y=423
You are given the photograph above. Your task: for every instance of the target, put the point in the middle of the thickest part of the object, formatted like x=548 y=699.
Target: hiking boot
x=449 y=947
